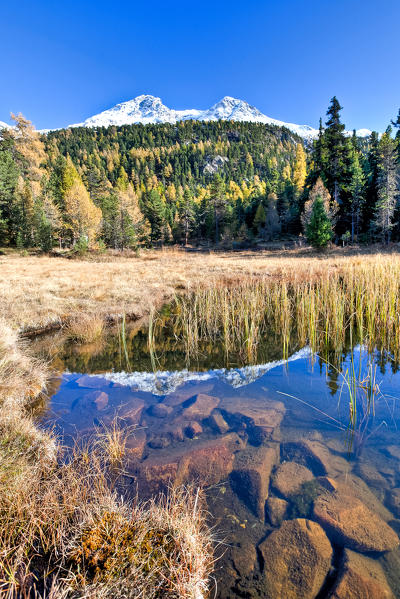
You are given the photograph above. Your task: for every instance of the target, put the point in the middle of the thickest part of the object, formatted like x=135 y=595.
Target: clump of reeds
x=22 y=377
x=318 y=308
x=362 y=391
x=85 y=328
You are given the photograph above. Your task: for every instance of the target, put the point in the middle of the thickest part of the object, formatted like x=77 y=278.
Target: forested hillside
x=177 y=183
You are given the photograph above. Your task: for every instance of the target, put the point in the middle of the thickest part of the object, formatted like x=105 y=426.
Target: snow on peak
x=150 y=109
x=4 y=125
x=363 y=132
x=143 y=109
x=147 y=109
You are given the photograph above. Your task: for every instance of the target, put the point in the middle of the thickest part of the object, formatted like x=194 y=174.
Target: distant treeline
x=133 y=185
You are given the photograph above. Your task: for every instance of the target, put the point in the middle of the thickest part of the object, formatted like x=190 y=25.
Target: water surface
x=209 y=421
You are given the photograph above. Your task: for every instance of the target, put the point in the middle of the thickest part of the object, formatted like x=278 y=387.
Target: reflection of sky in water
x=314 y=394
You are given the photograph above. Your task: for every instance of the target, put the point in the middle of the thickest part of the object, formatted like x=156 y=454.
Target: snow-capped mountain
x=149 y=109
x=3 y=125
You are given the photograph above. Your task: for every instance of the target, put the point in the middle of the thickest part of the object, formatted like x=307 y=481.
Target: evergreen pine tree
x=186 y=210
x=9 y=213
x=372 y=185
x=218 y=202
x=155 y=212
x=357 y=192
x=319 y=229
x=336 y=148
x=387 y=185
x=272 y=225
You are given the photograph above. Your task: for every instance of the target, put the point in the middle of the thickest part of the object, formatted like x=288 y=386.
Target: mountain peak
x=147 y=108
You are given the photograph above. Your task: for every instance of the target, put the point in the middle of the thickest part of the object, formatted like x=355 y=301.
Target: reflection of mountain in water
x=164 y=382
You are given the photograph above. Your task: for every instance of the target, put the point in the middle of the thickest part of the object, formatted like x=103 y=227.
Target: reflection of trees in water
x=169 y=349
x=168 y=345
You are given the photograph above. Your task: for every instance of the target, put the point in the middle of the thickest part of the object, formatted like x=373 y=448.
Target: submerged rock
x=200 y=407
x=297 y=558
x=156 y=474
x=394 y=501
x=133 y=409
x=136 y=444
x=276 y=510
x=160 y=410
x=251 y=474
x=92 y=382
x=393 y=451
x=218 y=423
x=211 y=461
x=259 y=419
x=99 y=398
x=360 y=578
x=243 y=558
x=179 y=396
x=95 y=400
x=351 y=484
x=371 y=475
x=193 y=429
x=205 y=462
x=159 y=441
x=289 y=477
x=352 y=524
x=317 y=457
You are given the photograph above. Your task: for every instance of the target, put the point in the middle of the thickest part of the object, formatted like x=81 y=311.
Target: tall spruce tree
x=319 y=158
x=336 y=150
x=155 y=212
x=372 y=184
x=187 y=214
x=387 y=185
x=9 y=208
x=357 y=192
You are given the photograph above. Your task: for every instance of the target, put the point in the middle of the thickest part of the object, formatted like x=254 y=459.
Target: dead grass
x=38 y=292
x=357 y=301
x=84 y=328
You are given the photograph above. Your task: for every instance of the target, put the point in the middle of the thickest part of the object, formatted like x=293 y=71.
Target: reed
x=323 y=309
x=362 y=392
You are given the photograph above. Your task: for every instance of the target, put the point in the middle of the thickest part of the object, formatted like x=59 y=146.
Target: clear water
x=315 y=404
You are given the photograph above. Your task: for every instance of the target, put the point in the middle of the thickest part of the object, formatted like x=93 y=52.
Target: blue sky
x=61 y=62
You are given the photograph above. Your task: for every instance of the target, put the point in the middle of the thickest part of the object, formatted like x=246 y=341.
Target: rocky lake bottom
x=304 y=501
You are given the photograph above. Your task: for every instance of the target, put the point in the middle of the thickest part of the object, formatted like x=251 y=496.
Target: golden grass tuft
x=84 y=328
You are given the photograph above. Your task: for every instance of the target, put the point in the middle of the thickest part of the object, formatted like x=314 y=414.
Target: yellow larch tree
x=82 y=216
x=300 y=169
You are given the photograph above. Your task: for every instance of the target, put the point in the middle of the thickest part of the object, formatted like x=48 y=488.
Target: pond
x=299 y=454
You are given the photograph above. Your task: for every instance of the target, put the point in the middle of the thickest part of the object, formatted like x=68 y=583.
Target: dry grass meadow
x=40 y=291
